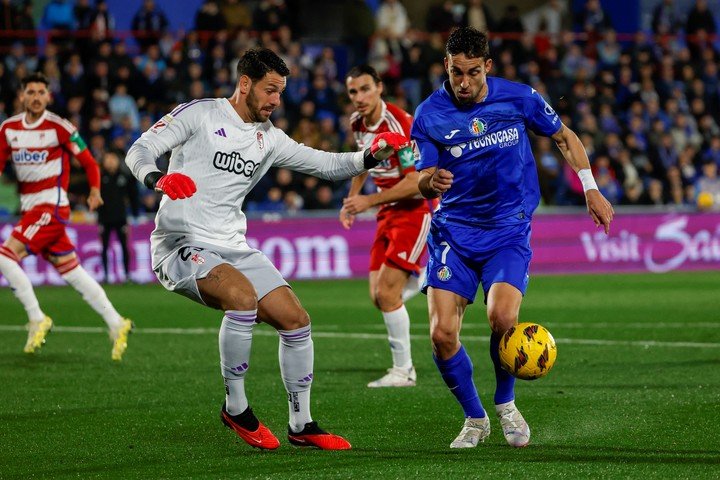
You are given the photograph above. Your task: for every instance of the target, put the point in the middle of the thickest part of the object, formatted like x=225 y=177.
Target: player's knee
x=444 y=340
x=297 y=319
x=387 y=300
x=501 y=320
x=238 y=298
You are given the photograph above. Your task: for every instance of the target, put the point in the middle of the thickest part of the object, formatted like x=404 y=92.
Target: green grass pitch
x=635 y=392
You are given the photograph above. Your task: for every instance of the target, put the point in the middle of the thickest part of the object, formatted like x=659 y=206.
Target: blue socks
x=505 y=383
x=457 y=372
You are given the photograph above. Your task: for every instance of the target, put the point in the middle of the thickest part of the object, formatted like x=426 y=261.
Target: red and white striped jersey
x=40 y=154
x=389 y=172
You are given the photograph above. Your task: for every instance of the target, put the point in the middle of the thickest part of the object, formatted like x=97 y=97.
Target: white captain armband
x=586 y=177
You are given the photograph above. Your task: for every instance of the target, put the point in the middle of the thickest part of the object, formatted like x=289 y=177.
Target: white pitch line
x=373 y=336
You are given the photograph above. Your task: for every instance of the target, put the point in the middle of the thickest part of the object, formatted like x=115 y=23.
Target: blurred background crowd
x=644 y=101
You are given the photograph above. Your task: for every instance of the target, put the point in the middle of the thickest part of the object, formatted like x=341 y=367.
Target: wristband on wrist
x=151 y=179
x=586 y=177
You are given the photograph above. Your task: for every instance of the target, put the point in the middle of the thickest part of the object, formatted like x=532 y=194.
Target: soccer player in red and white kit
x=403 y=218
x=40 y=144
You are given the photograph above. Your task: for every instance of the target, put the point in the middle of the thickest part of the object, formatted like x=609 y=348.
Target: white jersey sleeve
x=165 y=135
x=327 y=165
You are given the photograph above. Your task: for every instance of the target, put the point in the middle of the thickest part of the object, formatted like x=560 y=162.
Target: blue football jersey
x=486 y=147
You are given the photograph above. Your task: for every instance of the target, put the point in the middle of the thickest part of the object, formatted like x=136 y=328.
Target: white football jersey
x=226 y=157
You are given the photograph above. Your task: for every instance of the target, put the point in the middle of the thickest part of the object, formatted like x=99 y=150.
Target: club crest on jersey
x=444 y=273
x=478 y=126
x=260 y=140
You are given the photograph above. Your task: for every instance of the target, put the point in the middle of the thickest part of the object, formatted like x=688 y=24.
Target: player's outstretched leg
x=402 y=373
x=515 y=428
x=39 y=324
x=474 y=431
x=76 y=276
x=235 y=342
x=296 y=366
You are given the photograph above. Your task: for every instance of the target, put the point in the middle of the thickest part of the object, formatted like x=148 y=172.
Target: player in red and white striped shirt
x=396 y=257
x=39 y=144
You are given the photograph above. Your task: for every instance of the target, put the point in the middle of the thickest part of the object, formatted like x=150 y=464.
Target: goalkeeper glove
x=174 y=185
x=383 y=146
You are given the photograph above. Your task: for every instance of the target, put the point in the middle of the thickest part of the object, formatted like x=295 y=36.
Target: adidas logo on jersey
x=221 y=132
x=26 y=156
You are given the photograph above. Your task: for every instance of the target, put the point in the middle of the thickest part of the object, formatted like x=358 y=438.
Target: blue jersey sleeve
x=539 y=115
x=425 y=147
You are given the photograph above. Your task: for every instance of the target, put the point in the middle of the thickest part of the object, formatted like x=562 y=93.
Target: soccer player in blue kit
x=475 y=154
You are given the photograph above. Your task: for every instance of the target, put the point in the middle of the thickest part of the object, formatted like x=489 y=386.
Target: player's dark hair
x=364 y=69
x=258 y=62
x=36 y=77
x=470 y=41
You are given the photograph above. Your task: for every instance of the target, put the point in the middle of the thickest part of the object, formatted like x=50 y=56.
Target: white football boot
x=514 y=426
x=474 y=431
x=396 y=377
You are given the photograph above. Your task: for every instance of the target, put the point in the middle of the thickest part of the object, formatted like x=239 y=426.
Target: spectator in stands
x=148 y=24
x=122 y=106
x=444 y=16
x=700 y=18
x=270 y=15
x=102 y=22
x=707 y=187
x=236 y=14
x=209 y=19
x=478 y=16
x=392 y=20
x=665 y=18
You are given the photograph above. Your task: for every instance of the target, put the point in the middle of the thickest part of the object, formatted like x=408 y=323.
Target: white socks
x=235 y=340
x=21 y=287
x=296 y=368
x=94 y=295
x=398 y=328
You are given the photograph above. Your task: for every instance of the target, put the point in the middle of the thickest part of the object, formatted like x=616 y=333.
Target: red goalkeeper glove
x=176 y=185
x=383 y=146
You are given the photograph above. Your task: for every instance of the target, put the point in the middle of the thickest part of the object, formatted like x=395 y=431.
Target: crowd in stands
x=646 y=106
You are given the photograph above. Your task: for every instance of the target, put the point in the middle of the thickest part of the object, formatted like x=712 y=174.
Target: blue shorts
x=462 y=257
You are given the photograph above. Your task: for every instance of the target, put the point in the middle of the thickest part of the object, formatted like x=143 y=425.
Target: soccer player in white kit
x=221 y=148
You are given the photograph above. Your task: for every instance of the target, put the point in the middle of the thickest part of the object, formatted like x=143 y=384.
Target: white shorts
x=192 y=261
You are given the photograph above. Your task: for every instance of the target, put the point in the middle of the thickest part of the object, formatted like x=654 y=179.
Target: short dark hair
x=364 y=69
x=470 y=41
x=36 y=77
x=258 y=62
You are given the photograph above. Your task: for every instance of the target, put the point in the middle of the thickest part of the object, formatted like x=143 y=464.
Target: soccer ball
x=527 y=351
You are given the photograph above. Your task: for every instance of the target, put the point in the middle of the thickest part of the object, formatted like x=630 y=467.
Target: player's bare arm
x=433 y=182
x=406 y=188
x=94 y=200
x=600 y=210
x=356 y=184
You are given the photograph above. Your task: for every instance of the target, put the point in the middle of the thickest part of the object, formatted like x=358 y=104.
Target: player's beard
x=256 y=114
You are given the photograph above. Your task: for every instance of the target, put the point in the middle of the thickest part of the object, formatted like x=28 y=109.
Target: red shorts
x=400 y=240
x=43 y=233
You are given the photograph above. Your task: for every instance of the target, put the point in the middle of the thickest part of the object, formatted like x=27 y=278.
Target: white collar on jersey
x=372 y=128
x=37 y=122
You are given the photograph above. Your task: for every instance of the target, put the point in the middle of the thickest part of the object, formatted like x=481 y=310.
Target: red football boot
x=260 y=437
x=314 y=436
